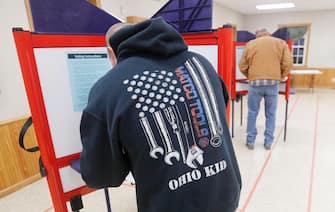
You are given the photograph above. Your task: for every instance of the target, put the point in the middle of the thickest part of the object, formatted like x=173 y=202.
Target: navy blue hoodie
x=161 y=114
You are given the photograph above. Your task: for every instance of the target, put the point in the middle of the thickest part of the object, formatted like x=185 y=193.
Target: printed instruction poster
x=85 y=68
x=239 y=52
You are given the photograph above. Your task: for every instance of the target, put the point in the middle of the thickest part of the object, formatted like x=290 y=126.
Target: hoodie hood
x=154 y=38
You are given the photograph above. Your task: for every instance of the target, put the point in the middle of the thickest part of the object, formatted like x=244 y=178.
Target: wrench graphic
x=216 y=136
x=210 y=88
x=194 y=153
x=212 y=97
x=154 y=148
x=170 y=151
x=170 y=114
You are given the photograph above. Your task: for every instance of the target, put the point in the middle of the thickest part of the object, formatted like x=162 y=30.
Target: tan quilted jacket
x=266 y=57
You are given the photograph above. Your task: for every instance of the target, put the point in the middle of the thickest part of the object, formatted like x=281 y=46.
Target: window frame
x=306 y=43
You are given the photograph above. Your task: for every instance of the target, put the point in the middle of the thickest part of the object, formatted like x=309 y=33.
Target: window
x=299 y=33
x=298 y=51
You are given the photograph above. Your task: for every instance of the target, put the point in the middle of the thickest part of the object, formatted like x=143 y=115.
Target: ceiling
x=248 y=7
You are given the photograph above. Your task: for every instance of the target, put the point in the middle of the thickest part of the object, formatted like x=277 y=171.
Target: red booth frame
x=223 y=38
x=26 y=42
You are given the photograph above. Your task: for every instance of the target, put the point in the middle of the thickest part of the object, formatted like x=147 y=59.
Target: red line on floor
x=310 y=192
x=266 y=161
x=49 y=209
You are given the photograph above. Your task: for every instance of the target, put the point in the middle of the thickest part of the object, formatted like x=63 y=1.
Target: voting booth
x=65 y=56
x=58 y=72
x=240 y=82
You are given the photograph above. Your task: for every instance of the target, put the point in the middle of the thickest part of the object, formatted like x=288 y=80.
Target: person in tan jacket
x=265 y=61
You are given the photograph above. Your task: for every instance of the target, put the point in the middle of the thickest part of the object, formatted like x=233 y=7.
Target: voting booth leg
x=241 y=109
x=76 y=203
x=232 y=118
x=109 y=209
x=285 y=120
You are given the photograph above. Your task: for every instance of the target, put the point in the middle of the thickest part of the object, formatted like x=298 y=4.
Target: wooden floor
x=295 y=176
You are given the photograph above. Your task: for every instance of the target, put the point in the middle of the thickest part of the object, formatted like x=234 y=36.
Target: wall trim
x=324 y=80
x=22 y=167
x=304 y=68
x=14 y=120
x=19 y=185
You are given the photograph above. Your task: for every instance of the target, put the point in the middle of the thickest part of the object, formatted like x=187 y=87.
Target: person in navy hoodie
x=160 y=113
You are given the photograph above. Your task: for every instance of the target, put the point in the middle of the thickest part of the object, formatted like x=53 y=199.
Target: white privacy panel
x=66 y=76
x=208 y=51
x=70 y=178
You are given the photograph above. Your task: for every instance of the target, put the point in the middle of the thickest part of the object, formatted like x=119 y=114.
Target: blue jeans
x=255 y=95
